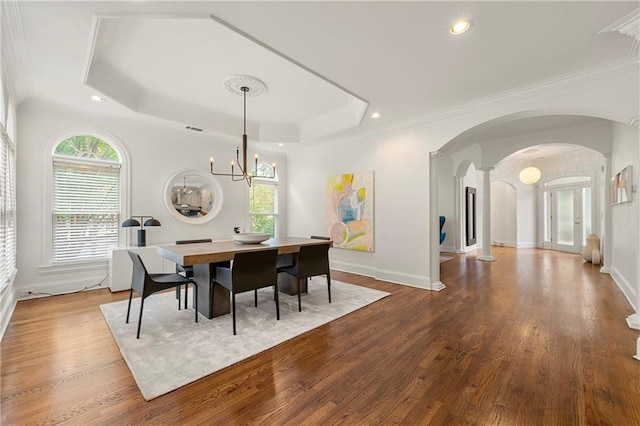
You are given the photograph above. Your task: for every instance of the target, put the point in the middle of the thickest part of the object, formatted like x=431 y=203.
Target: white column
x=434 y=224
x=486 y=215
x=606 y=238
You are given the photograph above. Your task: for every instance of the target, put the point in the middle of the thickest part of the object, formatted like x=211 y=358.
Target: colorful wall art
x=350 y=210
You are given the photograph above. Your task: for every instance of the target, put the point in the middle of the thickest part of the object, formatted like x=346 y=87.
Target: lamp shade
x=129 y=223
x=152 y=222
x=529 y=175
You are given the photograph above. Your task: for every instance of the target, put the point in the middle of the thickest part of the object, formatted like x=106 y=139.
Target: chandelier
x=244 y=174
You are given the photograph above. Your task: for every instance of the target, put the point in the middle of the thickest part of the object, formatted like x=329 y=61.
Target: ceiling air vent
x=195 y=129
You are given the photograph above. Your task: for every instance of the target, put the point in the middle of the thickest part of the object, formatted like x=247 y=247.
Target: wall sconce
x=142 y=233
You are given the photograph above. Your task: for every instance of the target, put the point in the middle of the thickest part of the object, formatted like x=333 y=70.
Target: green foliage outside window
x=86 y=146
x=263 y=207
x=265 y=224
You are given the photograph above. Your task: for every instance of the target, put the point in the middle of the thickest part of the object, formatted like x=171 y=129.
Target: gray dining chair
x=250 y=271
x=311 y=261
x=145 y=284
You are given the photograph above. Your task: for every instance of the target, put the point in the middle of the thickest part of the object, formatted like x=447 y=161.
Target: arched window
x=263 y=201
x=86 y=199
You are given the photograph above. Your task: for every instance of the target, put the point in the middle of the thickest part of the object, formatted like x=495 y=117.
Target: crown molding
x=102 y=31
x=621 y=69
x=635 y=121
x=113 y=84
x=15 y=58
x=625 y=68
x=345 y=117
x=628 y=25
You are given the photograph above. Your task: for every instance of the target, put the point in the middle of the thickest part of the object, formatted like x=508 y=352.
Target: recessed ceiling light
x=459 y=27
x=280 y=144
x=376 y=115
x=96 y=98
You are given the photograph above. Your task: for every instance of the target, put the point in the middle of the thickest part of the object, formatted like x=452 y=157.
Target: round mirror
x=193 y=196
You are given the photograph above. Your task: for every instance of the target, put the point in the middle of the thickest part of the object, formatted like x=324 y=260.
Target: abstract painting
x=350 y=210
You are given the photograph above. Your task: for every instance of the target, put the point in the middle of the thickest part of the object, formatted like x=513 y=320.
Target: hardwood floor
x=535 y=338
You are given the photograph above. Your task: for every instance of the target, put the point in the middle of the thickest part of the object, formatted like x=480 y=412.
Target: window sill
x=61 y=268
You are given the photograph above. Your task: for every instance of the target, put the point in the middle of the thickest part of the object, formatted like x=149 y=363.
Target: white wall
x=399 y=157
x=156 y=152
x=401 y=202
x=446 y=202
x=504 y=214
x=625 y=233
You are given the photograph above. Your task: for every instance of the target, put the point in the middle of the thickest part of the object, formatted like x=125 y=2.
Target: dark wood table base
x=213 y=299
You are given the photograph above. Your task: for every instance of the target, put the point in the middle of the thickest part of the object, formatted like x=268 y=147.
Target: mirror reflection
x=193 y=196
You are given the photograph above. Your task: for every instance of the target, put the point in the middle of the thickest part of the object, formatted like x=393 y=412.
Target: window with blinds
x=86 y=201
x=7 y=210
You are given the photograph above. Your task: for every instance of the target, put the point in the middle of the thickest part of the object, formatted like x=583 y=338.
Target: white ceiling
x=327 y=65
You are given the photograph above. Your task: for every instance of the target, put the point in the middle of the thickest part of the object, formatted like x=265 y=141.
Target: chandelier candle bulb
x=211 y=161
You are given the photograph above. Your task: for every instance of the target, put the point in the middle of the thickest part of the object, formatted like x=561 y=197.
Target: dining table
x=213 y=299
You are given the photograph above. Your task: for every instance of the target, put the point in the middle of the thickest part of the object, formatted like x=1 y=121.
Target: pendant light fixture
x=185 y=189
x=530 y=175
x=244 y=85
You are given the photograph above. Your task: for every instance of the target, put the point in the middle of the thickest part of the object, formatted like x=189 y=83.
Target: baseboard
x=624 y=286
x=367 y=271
x=468 y=249
x=395 y=277
x=633 y=321
x=447 y=249
x=526 y=244
x=411 y=280
x=60 y=287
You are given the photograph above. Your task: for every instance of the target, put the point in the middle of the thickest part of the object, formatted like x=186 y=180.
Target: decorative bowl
x=250 y=237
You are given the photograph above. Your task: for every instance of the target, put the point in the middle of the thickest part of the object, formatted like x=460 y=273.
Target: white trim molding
x=628 y=25
x=103 y=77
x=15 y=56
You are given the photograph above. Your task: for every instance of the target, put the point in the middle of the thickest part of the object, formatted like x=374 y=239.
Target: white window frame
x=8 y=251
x=46 y=266
x=271 y=182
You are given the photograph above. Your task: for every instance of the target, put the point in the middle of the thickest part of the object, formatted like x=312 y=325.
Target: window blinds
x=7 y=210
x=86 y=206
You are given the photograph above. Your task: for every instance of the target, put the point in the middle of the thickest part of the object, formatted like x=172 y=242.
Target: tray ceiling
x=174 y=67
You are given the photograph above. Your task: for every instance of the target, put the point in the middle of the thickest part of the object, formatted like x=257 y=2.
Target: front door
x=565 y=215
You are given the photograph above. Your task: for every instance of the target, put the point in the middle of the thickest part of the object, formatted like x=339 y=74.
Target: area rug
x=173 y=350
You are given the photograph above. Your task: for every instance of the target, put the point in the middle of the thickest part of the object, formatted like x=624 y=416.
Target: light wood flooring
x=534 y=338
